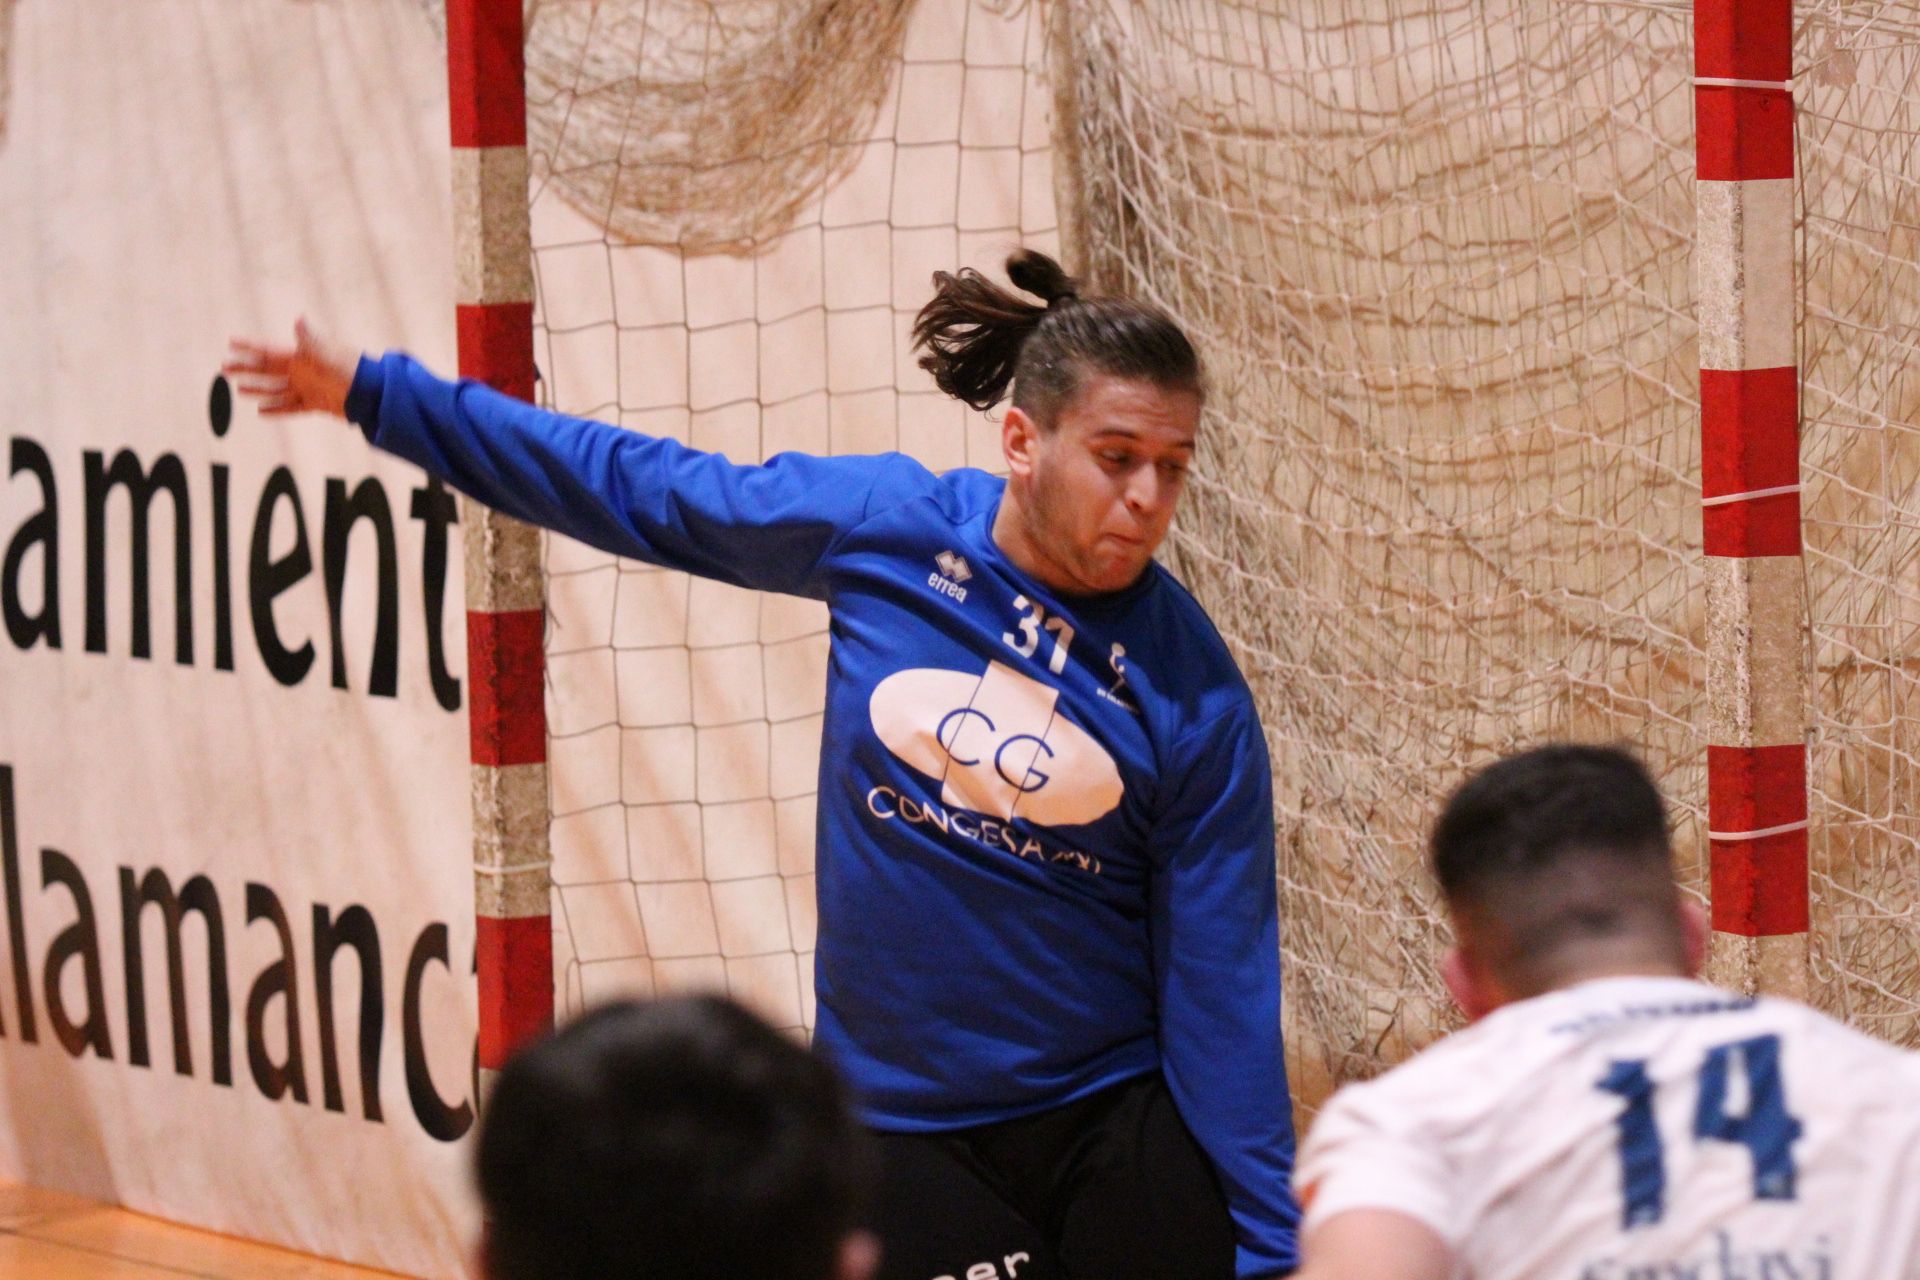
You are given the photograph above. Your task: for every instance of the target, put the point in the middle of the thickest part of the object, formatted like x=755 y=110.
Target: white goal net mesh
x=1858 y=96
x=1438 y=258
x=1439 y=255
x=684 y=715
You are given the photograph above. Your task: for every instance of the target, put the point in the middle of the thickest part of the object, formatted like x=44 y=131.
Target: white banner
x=236 y=921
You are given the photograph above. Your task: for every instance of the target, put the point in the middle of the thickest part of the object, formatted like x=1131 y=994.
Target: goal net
x=1438 y=256
x=738 y=209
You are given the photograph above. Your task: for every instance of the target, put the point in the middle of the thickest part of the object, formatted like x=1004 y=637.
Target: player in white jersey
x=1607 y=1117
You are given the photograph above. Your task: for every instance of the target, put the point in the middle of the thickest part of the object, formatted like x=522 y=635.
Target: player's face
x=1100 y=488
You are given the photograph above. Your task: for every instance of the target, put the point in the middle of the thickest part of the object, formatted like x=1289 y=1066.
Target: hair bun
x=1041 y=276
x=978 y=335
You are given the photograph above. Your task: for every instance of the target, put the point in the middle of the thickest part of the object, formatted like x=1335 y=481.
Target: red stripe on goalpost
x=1753 y=527
x=515 y=962
x=1749 y=444
x=1744 y=134
x=1759 y=883
x=1755 y=788
x=496 y=345
x=486 y=74
x=506 y=673
x=1743 y=39
x=1749 y=430
x=1760 y=886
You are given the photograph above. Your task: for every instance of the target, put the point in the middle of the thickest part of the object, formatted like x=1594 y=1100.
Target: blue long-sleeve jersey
x=1045 y=851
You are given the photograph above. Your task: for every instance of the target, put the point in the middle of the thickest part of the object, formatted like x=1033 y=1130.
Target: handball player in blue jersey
x=1048 y=958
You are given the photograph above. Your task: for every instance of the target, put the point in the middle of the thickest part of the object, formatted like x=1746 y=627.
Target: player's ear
x=1019 y=434
x=859 y=1257
x=1467 y=987
x=1694 y=930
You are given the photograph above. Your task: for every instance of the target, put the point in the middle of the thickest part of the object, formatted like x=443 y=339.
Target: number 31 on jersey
x=1025 y=639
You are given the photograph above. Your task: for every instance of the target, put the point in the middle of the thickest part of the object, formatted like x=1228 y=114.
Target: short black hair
x=1516 y=817
x=1559 y=845
x=682 y=1139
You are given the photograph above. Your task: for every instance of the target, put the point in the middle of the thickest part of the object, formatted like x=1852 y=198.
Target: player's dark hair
x=678 y=1140
x=1557 y=847
x=981 y=339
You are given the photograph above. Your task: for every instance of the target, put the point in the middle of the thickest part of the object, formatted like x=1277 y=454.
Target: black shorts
x=1112 y=1187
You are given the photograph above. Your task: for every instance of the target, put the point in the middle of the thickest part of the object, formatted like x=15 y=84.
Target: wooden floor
x=47 y=1235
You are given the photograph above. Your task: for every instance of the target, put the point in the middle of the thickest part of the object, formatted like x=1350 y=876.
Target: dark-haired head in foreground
x=678 y=1140
x=1556 y=867
x=1106 y=398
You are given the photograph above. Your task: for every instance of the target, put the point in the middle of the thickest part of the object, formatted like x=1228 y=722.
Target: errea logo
x=997 y=743
x=954 y=566
x=952 y=570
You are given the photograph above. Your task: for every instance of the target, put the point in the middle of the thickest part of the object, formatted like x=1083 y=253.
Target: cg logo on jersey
x=996 y=743
x=1025 y=777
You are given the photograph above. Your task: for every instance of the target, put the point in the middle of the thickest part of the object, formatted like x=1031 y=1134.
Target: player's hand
x=311 y=377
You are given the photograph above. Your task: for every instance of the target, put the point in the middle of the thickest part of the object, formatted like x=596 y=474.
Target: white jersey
x=1639 y=1129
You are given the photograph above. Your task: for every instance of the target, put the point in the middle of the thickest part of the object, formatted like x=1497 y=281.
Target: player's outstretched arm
x=311 y=376
x=769 y=526
x=1375 y=1244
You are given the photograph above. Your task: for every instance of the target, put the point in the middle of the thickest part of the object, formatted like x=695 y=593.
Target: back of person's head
x=982 y=339
x=1556 y=866
x=677 y=1140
